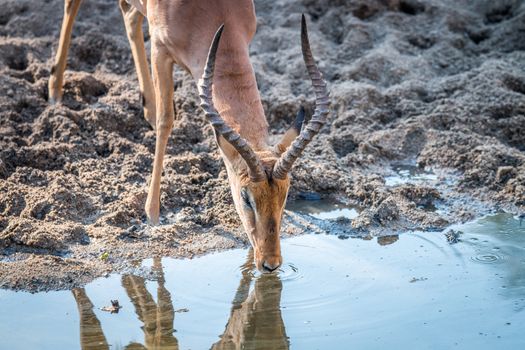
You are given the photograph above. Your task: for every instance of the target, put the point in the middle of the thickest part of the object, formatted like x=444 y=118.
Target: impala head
x=259 y=179
x=260 y=203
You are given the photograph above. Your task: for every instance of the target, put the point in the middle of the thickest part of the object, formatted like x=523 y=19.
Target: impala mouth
x=269 y=268
x=269 y=264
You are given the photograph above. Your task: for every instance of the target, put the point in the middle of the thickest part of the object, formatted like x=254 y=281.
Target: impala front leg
x=162 y=66
x=133 y=20
x=56 y=78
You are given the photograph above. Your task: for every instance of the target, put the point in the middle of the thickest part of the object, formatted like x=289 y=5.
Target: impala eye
x=246 y=198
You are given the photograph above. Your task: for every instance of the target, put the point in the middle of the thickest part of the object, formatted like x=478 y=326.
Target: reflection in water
x=91 y=335
x=255 y=319
x=387 y=240
x=157 y=317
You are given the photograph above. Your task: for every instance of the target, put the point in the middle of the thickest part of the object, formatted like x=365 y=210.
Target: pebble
x=453 y=236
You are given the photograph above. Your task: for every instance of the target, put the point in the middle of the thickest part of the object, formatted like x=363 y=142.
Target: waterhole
x=407 y=173
x=324 y=209
x=419 y=292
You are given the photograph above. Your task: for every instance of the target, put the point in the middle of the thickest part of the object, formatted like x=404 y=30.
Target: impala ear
x=292 y=133
x=227 y=149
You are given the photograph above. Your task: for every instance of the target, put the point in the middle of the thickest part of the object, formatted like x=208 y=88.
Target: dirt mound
x=438 y=84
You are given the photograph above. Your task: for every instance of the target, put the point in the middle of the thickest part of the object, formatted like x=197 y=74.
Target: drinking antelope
x=181 y=32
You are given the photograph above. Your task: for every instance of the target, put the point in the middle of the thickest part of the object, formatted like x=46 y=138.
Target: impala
x=181 y=32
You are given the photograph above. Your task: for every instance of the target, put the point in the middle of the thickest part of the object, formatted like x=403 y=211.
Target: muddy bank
x=436 y=84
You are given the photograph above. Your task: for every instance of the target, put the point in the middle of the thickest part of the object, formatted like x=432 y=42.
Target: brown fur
x=263 y=223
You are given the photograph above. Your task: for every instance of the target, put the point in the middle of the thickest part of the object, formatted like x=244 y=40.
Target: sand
x=436 y=84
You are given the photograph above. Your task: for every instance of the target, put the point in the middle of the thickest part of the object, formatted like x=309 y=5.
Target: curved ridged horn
x=256 y=170
x=285 y=162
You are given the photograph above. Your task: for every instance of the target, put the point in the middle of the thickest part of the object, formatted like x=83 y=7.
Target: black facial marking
x=269 y=175
x=246 y=198
x=272 y=226
x=53 y=69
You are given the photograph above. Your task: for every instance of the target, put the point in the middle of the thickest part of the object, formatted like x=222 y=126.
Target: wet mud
x=437 y=86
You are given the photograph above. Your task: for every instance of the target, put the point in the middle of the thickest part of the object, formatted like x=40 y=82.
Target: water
x=406 y=173
x=414 y=291
x=324 y=209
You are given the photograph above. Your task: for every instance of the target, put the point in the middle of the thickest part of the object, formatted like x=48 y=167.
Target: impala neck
x=236 y=96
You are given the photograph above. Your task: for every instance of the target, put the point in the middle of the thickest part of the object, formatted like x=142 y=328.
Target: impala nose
x=270 y=265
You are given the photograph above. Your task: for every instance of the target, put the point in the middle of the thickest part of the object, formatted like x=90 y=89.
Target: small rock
x=132 y=231
x=387 y=211
x=387 y=240
x=505 y=173
x=453 y=236
x=114 y=308
x=418 y=279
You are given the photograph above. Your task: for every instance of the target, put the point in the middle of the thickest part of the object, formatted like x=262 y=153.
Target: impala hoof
x=54 y=92
x=153 y=216
x=153 y=221
x=54 y=99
